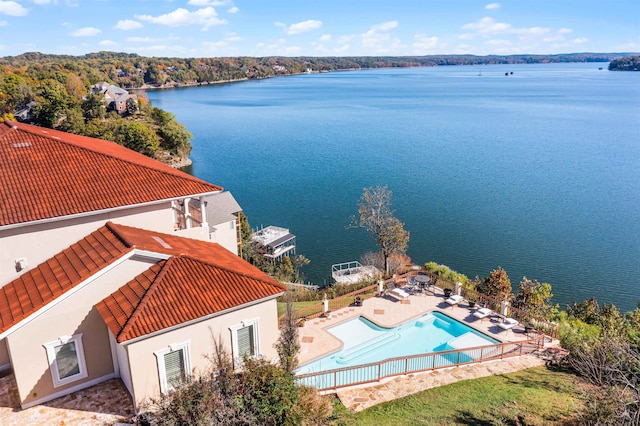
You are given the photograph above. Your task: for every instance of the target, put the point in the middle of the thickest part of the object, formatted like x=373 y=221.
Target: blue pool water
x=365 y=342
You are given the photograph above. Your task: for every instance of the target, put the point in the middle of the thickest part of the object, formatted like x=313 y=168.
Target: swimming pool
x=365 y=342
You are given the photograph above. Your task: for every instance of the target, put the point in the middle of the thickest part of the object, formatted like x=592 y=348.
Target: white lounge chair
x=396 y=292
x=508 y=324
x=482 y=313
x=454 y=299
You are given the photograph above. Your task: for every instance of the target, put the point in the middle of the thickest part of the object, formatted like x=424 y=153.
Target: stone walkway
x=105 y=404
x=358 y=398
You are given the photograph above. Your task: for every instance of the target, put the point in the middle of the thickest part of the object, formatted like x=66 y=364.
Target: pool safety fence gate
x=376 y=371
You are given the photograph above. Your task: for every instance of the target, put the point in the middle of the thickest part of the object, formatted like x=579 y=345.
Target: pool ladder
x=367 y=346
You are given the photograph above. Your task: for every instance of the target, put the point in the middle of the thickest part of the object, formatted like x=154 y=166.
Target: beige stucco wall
x=76 y=314
x=40 y=242
x=226 y=235
x=144 y=366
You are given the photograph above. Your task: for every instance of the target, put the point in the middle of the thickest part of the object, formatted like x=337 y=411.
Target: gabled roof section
x=199 y=278
x=178 y=291
x=42 y=285
x=47 y=174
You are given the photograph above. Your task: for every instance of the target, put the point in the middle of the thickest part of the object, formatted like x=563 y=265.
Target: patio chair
x=396 y=292
x=482 y=313
x=508 y=323
x=454 y=299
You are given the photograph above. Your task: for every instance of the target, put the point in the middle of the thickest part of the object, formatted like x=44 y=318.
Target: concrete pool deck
x=316 y=342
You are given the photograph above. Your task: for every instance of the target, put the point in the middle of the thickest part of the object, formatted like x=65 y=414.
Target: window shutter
x=246 y=341
x=67 y=360
x=174 y=366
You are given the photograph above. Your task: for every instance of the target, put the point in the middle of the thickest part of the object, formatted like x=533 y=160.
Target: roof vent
x=162 y=242
x=21 y=264
x=21 y=144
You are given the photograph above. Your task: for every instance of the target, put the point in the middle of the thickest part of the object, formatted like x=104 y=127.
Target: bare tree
x=377 y=217
x=287 y=344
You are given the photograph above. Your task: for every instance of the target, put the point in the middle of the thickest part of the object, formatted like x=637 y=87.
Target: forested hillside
x=628 y=63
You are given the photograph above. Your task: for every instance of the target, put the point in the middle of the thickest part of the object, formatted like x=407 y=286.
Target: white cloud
x=564 y=30
x=207 y=17
x=128 y=24
x=487 y=25
x=280 y=24
x=492 y=6
x=45 y=1
x=325 y=37
x=108 y=43
x=423 y=44
x=303 y=27
x=378 y=40
x=142 y=40
x=580 y=40
x=290 y=50
x=465 y=36
x=86 y=32
x=12 y=8
x=233 y=10
x=385 y=26
x=207 y=2
x=342 y=49
x=3 y=23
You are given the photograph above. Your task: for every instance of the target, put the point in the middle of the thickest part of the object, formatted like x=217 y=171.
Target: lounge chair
x=508 y=323
x=482 y=313
x=454 y=299
x=396 y=292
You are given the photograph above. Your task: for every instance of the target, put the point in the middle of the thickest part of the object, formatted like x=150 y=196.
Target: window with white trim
x=245 y=339
x=66 y=359
x=173 y=365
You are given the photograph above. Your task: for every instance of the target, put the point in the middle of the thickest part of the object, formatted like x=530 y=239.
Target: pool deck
x=316 y=342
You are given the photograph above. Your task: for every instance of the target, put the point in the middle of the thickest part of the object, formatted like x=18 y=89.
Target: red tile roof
x=46 y=174
x=199 y=279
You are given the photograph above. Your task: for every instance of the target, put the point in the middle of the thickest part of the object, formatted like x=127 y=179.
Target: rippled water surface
x=537 y=171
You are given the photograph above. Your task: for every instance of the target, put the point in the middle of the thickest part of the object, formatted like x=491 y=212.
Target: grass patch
x=536 y=396
x=282 y=306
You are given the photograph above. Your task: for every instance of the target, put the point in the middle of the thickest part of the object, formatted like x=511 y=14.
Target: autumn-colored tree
x=497 y=285
x=377 y=217
x=535 y=297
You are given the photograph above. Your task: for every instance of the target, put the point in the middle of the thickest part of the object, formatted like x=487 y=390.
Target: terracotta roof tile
x=49 y=280
x=47 y=174
x=198 y=279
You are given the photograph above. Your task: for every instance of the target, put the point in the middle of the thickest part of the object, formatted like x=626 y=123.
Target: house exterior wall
x=226 y=235
x=144 y=366
x=40 y=242
x=5 y=362
x=71 y=316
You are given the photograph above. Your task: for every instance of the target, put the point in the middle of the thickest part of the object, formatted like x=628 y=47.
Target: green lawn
x=537 y=396
x=282 y=306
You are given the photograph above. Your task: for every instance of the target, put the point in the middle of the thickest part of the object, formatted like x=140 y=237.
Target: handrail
x=376 y=371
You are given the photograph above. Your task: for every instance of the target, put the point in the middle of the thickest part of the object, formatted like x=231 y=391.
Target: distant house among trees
x=116 y=98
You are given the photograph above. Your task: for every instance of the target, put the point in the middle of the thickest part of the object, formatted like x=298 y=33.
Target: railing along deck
x=376 y=371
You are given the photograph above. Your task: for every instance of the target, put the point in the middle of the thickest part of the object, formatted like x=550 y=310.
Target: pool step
x=367 y=346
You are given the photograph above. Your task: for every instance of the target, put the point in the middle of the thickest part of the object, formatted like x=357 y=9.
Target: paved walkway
x=105 y=404
x=358 y=398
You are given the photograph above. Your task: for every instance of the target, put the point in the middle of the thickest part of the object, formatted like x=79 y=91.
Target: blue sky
x=202 y=28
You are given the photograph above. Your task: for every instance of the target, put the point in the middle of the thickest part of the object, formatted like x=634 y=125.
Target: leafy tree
x=377 y=217
x=176 y=138
x=93 y=107
x=137 y=136
x=535 y=297
x=497 y=284
x=72 y=122
x=132 y=106
x=287 y=344
x=51 y=101
x=15 y=92
x=245 y=236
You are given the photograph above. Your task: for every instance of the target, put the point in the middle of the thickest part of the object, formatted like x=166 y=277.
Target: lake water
x=537 y=171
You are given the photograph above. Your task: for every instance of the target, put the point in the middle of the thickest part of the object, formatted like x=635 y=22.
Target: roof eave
x=103 y=211
x=197 y=320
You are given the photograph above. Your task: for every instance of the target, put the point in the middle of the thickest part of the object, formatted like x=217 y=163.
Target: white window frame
x=53 y=365
x=255 y=322
x=165 y=386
